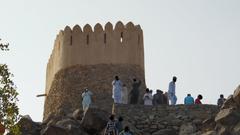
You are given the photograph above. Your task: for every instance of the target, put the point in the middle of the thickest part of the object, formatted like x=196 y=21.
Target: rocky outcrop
x=65 y=93
x=95 y=120
x=228 y=119
x=73 y=123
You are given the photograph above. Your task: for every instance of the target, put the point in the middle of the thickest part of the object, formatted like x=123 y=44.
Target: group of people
x=115 y=127
x=188 y=100
x=121 y=93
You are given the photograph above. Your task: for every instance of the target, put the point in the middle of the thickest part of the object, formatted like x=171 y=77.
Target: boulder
x=227 y=117
x=95 y=120
x=77 y=114
x=67 y=122
x=27 y=126
x=229 y=103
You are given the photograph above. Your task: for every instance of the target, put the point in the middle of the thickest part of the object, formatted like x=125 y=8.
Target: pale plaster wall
x=72 y=48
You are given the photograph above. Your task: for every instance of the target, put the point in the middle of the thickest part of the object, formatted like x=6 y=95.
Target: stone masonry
x=164 y=119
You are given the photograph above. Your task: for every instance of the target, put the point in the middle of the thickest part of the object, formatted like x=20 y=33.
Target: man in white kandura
x=171 y=91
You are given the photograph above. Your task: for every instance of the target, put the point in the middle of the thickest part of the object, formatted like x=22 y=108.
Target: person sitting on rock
x=111 y=126
x=119 y=125
x=147 y=97
x=221 y=100
x=117 y=88
x=134 y=94
x=124 y=94
x=158 y=98
x=188 y=100
x=198 y=100
x=126 y=131
x=86 y=100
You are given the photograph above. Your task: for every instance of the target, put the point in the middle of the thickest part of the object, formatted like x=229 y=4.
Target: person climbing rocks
x=147 y=98
x=221 y=100
x=124 y=94
x=117 y=88
x=188 y=100
x=198 y=99
x=111 y=126
x=86 y=100
x=134 y=94
x=172 y=91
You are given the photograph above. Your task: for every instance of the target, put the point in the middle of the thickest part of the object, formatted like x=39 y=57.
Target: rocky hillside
x=142 y=120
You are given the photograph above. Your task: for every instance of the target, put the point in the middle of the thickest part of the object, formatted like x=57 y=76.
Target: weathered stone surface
x=236 y=95
x=165 y=132
x=229 y=103
x=187 y=129
x=95 y=120
x=209 y=133
x=54 y=130
x=156 y=119
x=65 y=123
x=227 y=116
x=236 y=129
x=77 y=114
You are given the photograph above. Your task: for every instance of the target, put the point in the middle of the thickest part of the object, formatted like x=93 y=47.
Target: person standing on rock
x=134 y=94
x=117 y=88
x=86 y=100
x=147 y=98
x=124 y=94
x=188 y=100
x=111 y=126
x=165 y=99
x=172 y=90
x=221 y=100
x=198 y=100
x=158 y=98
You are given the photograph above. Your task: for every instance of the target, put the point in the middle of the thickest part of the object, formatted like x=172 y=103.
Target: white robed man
x=117 y=89
x=86 y=100
x=172 y=91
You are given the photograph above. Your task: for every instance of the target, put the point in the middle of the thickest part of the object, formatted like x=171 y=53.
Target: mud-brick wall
x=164 y=120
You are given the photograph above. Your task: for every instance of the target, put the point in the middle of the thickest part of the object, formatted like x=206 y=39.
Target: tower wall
x=91 y=57
x=120 y=45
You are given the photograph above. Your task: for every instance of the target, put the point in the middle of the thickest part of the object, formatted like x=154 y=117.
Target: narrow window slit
x=121 y=38
x=71 y=40
x=87 y=39
x=105 y=38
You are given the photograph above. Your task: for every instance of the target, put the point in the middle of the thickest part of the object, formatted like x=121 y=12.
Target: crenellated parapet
x=122 y=44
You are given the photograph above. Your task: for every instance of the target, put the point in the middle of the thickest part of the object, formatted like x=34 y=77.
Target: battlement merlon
x=121 y=45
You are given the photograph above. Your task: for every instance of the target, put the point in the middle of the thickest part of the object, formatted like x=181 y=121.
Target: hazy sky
x=196 y=40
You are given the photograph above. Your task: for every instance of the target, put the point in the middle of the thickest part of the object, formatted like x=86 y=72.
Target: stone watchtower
x=91 y=58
